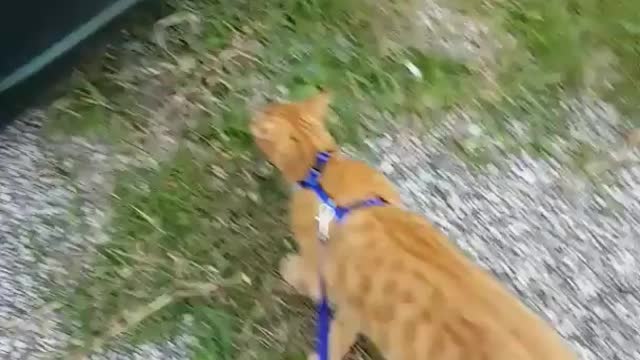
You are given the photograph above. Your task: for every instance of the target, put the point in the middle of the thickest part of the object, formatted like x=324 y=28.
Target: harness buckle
x=326 y=213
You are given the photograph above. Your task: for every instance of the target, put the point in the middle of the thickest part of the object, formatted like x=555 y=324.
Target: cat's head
x=290 y=134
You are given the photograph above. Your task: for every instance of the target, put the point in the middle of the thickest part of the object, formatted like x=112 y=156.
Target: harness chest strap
x=327 y=212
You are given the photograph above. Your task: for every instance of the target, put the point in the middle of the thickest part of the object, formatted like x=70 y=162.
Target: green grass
x=288 y=48
x=207 y=230
x=203 y=232
x=563 y=49
x=561 y=43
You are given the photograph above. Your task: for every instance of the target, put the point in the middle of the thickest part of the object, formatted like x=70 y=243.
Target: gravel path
x=48 y=227
x=30 y=195
x=570 y=250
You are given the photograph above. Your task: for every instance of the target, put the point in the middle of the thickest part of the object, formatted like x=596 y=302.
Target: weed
x=200 y=238
x=196 y=242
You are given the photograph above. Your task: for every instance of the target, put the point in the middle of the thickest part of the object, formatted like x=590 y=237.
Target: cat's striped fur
x=391 y=275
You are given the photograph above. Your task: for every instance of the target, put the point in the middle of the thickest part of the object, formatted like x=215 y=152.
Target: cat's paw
x=313 y=356
x=291 y=271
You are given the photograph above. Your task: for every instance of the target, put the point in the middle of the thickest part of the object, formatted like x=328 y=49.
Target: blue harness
x=311 y=182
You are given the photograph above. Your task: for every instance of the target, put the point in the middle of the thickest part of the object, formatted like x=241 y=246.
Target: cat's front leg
x=291 y=271
x=344 y=331
x=296 y=271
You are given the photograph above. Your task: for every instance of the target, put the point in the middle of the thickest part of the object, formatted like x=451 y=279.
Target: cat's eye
x=293 y=138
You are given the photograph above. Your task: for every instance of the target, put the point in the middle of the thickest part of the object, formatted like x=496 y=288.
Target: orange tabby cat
x=391 y=275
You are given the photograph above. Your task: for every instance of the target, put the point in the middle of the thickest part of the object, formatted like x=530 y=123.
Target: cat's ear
x=317 y=106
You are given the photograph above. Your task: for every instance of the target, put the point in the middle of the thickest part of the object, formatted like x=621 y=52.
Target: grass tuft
x=194 y=247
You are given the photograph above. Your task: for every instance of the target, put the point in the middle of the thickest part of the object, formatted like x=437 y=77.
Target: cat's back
x=350 y=180
x=418 y=297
